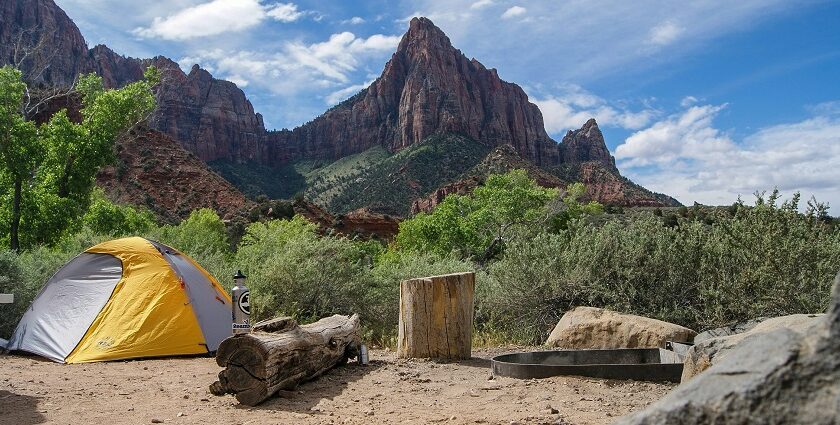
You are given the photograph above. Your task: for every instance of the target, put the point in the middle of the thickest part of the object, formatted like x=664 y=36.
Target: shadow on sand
x=327 y=386
x=19 y=409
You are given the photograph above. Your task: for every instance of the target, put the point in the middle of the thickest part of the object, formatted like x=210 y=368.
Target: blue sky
x=702 y=100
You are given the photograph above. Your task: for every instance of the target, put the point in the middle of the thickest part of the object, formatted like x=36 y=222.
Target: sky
x=704 y=100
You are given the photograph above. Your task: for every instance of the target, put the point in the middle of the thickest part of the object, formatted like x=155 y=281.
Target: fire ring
x=640 y=364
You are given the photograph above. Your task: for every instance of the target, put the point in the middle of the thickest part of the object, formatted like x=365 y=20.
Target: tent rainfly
x=122 y=299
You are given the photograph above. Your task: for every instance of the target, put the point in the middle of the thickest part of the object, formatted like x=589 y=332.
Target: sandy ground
x=388 y=390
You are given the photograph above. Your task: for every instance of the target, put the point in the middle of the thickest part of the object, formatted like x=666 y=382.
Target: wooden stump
x=436 y=317
x=260 y=363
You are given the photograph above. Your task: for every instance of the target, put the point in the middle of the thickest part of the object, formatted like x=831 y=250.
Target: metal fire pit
x=640 y=364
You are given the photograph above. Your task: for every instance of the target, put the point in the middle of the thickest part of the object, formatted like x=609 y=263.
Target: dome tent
x=125 y=298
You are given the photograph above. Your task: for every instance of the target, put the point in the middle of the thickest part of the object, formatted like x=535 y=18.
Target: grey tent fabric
x=82 y=287
x=211 y=309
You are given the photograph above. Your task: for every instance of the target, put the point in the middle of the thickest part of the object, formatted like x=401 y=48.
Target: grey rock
x=778 y=377
x=735 y=328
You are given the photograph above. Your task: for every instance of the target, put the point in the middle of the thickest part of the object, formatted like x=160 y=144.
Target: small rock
x=181 y=414
x=157 y=421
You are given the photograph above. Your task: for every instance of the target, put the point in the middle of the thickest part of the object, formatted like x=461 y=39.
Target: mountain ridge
x=427 y=89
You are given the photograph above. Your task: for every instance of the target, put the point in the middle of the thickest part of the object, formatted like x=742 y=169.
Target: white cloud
x=356 y=20
x=513 y=12
x=298 y=66
x=570 y=110
x=480 y=4
x=284 y=12
x=665 y=33
x=685 y=156
x=339 y=95
x=216 y=17
x=239 y=81
x=688 y=101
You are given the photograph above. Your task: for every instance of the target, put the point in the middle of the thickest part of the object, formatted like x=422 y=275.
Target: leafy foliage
x=49 y=170
x=108 y=218
x=765 y=260
x=477 y=225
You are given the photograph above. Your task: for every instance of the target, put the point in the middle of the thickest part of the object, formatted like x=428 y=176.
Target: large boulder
x=709 y=351
x=589 y=327
x=776 y=377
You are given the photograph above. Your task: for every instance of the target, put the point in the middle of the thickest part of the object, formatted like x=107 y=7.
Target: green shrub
x=292 y=271
x=477 y=225
x=106 y=217
x=767 y=260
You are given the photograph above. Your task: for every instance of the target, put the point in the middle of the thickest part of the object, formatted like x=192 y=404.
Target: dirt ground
x=388 y=390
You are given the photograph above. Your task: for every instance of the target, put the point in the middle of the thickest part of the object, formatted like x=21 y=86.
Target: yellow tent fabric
x=123 y=299
x=149 y=313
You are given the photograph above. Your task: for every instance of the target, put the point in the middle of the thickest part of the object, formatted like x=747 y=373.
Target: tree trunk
x=436 y=317
x=259 y=364
x=14 y=228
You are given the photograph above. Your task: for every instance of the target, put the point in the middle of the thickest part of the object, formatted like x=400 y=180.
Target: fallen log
x=259 y=364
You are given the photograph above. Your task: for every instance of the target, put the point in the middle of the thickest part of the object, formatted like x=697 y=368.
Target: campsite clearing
x=389 y=390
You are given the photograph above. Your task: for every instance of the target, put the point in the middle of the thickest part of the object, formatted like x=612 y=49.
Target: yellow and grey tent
x=122 y=299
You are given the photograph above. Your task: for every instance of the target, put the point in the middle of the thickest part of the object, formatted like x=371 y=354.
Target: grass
x=389 y=184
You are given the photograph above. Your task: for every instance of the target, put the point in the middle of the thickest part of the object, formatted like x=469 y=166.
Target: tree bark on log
x=259 y=364
x=436 y=317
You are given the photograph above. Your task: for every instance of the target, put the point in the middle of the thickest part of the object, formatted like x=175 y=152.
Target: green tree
x=108 y=218
x=570 y=209
x=202 y=232
x=477 y=225
x=50 y=168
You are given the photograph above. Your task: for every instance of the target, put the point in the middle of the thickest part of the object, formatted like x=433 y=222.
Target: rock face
x=777 y=377
x=587 y=145
x=709 y=351
x=25 y=24
x=359 y=223
x=735 y=328
x=429 y=87
x=210 y=117
x=155 y=171
x=589 y=327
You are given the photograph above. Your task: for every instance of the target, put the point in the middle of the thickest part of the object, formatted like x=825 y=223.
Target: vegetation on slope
x=709 y=268
x=389 y=183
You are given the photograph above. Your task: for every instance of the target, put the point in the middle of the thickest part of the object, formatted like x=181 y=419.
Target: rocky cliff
x=155 y=171
x=586 y=144
x=428 y=87
x=211 y=118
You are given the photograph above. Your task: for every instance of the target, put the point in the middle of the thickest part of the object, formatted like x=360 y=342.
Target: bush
x=767 y=260
x=108 y=218
x=292 y=271
x=477 y=225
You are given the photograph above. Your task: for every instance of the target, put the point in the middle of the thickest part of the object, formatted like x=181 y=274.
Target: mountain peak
x=586 y=144
x=423 y=35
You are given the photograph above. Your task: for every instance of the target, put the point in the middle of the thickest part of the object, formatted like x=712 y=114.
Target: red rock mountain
x=427 y=88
